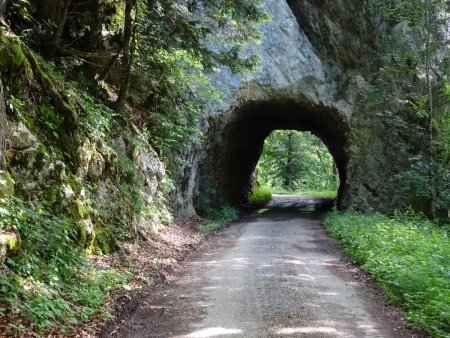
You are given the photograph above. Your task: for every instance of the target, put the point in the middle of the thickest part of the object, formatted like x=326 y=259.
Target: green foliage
x=178 y=44
x=294 y=160
x=96 y=118
x=408 y=256
x=50 y=283
x=186 y=25
x=216 y=218
x=179 y=97
x=21 y=10
x=51 y=119
x=260 y=194
x=416 y=181
x=412 y=64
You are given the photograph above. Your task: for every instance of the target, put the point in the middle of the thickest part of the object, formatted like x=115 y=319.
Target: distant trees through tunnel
x=296 y=162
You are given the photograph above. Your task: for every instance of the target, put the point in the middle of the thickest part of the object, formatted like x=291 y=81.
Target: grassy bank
x=408 y=256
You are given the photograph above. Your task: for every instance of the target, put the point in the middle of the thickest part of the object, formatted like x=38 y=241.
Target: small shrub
x=216 y=218
x=260 y=194
x=408 y=256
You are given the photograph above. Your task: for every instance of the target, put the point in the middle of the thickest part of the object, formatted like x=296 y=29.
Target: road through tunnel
x=244 y=136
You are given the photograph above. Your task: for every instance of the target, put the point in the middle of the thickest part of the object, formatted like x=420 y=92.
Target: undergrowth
x=49 y=282
x=96 y=119
x=408 y=256
x=260 y=194
x=216 y=218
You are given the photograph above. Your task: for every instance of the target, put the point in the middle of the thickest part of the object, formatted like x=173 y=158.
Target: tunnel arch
x=302 y=85
x=243 y=140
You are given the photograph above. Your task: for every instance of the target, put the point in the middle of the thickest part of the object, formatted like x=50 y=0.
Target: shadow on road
x=299 y=203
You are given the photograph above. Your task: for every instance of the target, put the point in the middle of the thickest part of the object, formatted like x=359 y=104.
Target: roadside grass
x=307 y=192
x=260 y=194
x=216 y=218
x=408 y=256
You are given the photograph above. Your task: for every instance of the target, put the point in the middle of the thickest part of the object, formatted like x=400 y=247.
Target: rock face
x=311 y=77
x=107 y=186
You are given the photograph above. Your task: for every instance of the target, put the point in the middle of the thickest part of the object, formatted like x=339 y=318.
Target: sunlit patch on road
x=213 y=332
x=328 y=330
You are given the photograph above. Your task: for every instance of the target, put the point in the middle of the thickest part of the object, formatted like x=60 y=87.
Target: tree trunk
x=61 y=14
x=106 y=69
x=93 y=45
x=3 y=4
x=3 y=122
x=127 y=58
x=428 y=65
x=288 y=183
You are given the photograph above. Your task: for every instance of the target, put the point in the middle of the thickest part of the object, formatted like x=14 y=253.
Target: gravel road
x=274 y=273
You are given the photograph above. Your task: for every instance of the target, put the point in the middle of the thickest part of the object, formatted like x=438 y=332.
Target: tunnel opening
x=294 y=163
x=243 y=139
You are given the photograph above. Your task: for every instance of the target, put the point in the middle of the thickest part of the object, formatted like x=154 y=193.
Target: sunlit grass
x=260 y=194
x=305 y=192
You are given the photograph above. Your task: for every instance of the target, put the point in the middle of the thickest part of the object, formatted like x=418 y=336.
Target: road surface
x=273 y=274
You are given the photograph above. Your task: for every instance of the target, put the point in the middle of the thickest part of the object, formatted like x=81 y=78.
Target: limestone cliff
x=313 y=76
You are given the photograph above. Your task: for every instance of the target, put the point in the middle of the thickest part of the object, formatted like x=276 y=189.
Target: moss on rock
x=9 y=242
x=6 y=184
x=13 y=61
x=104 y=241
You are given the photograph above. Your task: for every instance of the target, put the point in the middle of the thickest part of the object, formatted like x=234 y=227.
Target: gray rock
x=21 y=138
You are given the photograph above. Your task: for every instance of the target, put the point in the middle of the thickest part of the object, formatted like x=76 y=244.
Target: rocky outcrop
x=312 y=76
x=114 y=185
x=108 y=185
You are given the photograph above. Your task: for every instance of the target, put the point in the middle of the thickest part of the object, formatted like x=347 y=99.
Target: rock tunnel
x=308 y=79
x=244 y=137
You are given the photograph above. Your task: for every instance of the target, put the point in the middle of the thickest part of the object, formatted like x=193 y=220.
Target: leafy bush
x=216 y=218
x=49 y=282
x=260 y=194
x=408 y=256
